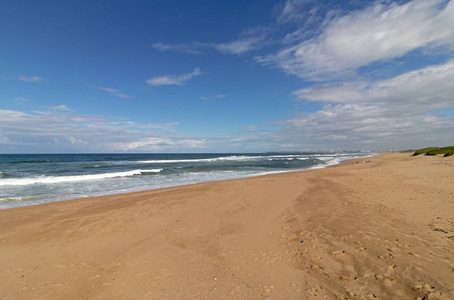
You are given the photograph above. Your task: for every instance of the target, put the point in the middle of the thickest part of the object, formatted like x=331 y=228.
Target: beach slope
x=381 y=229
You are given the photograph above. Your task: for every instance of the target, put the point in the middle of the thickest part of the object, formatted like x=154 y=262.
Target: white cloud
x=298 y=11
x=73 y=141
x=381 y=115
x=32 y=79
x=249 y=40
x=4 y=140
x=165 y=126
x=221 y=96
x=111 y=91
x=56 y=132
x=384 y=114
x=380 y=32
x=353 y=125
x=61 y=107
x=240 y=46
x=190 y=48
x=173 y=79
x=418 y=91
x=162 y=144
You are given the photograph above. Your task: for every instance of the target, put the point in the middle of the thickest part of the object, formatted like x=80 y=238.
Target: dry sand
x=378 y=230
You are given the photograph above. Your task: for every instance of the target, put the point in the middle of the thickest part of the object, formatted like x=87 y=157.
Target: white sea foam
x=224 y=158
x=60 y=179
x=23 y=191
x=13 y=199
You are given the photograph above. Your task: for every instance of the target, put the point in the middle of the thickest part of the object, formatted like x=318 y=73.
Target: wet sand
x=377 y=230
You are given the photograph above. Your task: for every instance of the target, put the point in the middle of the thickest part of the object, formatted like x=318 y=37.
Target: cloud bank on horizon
x=294 y=76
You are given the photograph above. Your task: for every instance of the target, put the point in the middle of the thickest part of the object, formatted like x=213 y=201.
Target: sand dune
x=378 y=230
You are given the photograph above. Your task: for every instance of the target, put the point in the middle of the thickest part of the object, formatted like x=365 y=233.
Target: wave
x=226 y=158
x=60 y=179
x=18 y=199
x=239 y=158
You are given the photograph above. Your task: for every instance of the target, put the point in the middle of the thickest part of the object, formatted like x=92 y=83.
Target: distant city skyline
x=225 y=76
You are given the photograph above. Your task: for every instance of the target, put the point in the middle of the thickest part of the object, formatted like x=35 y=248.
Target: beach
x=372 y=228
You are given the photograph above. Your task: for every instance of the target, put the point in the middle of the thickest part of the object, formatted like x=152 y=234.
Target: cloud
x=249 y=40
x=162 y=144
x=367 y=126
x=298 y=11
x=429 y=88
x=382 y=115
x=111 y=91
x=61 y=107
x=239 y=46
x=173 y=79
x=5 y=140
x=379 y=115
x=32 y=79
x=73 y=141
x=383 y=31
x=213 y=98
x=156 y=126
x=31 y=133
x=190 y=48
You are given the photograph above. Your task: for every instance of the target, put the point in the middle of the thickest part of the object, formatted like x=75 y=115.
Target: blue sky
x=225 y=76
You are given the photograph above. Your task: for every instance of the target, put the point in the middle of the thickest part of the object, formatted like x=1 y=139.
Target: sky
x=170 y=76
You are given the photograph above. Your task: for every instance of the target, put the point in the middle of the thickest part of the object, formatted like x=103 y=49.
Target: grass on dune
x=447 y=151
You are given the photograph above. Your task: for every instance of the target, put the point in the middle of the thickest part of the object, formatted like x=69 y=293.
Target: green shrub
x=447 y=151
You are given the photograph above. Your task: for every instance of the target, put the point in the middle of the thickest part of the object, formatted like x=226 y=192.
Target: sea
x=31 y=179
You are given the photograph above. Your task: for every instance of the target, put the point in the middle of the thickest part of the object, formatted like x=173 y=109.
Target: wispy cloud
x=190 y=48
x=298 y=11
x=396 y=111
x=380 y=32
x=32 y=79
x=249 y=40
x=213 y=98
x=61 y=107
x=239 y=46
x=423 y=90
x=173 y=79
x=34 y=132
x=381 y=115
x=111 y=91
x=155 y=126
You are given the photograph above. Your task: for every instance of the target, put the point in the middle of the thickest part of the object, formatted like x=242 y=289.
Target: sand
x=377 y=230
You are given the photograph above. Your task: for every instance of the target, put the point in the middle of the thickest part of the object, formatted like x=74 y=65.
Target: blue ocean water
x=30 y=179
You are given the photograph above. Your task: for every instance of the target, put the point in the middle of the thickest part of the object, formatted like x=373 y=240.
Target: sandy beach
x=382 y=229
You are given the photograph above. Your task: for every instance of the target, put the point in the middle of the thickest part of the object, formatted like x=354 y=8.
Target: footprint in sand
x=338 y=253
x=414 y=254
x=385 y=279
x=386 y=256
x=348 y=278
x=268 y=288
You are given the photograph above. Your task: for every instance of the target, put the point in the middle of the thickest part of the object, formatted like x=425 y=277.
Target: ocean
x=30 y=179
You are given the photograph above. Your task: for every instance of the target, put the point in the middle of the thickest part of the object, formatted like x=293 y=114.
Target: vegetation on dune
x=447 y=151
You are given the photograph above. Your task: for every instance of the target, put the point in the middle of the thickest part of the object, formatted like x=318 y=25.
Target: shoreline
x=40 y=200
x=381 y=230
